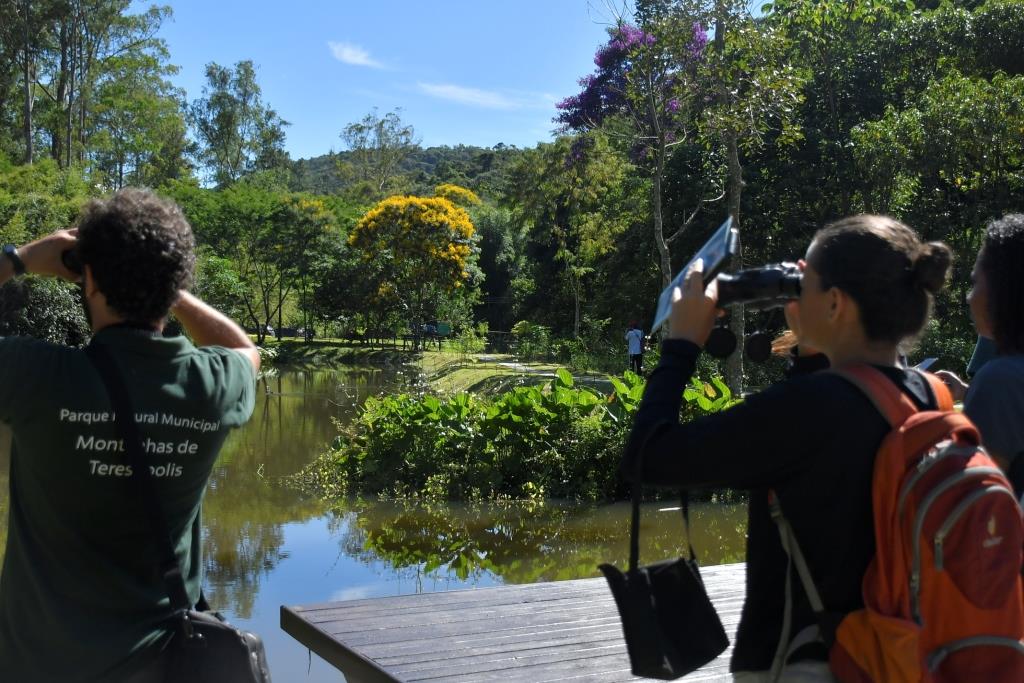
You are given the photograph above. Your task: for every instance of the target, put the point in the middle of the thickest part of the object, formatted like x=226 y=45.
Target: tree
x=572 y=197
x=140 y=135
x=79 y=62
x=238 y=134
x=502 y=257
x=10 y=42
x=35 y=200
x=422 y=250
x=377 y=147
x=219 y=284
x=457 y=195
x=90 y=44
x=755 y=90
x=275 y=249
x=267 y=240
x=43 y=308
x=643 y=89
x=32 y=20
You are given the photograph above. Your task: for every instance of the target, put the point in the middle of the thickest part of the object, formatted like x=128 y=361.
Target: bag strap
x=943 y=399
x=795 y=557
x=634 y=527
x=895 y=406
x=792 y=548
x=887 y=398
x=128 y=429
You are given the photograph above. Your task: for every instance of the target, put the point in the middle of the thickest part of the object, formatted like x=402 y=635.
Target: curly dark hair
x=886 y=268
x=1002 y=265
x=141 y=252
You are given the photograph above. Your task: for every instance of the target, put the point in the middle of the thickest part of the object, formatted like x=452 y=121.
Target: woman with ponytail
x=868 y=286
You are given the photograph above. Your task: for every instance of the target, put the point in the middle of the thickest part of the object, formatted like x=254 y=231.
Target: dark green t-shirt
x=80 y=596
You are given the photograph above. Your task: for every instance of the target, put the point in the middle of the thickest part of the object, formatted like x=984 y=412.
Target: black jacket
x=812 y=438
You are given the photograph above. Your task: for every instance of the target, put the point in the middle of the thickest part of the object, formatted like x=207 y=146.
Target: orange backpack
x=942 y=597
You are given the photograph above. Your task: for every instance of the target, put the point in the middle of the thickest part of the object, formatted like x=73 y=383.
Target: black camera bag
x=671 y=627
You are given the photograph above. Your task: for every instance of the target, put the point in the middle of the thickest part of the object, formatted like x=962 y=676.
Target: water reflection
x=246 y=507
x=530 y=543
x=267 y=545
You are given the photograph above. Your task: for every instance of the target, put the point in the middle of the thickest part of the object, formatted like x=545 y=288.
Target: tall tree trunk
x=29 y=77
x=85 y=59
x=61 y=95
x=69 y=119
x=734 y=363
x=576 y=295
x=280 y=302
x=664 y=256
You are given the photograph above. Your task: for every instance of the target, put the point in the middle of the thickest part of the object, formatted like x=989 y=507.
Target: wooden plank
x=592 y=606
x=427 y=648
x=350 y=662
x=557 y=631
x=369 y=632
x=720 y=575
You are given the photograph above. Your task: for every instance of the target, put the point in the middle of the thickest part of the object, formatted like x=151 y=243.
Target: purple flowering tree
x=643 y=90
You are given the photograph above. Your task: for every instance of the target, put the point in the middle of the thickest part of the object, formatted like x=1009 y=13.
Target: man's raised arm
x=209 y=327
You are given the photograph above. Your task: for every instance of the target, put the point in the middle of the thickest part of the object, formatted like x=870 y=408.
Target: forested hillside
x=484 y=170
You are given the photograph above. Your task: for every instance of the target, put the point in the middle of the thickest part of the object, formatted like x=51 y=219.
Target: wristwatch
x=11 y=252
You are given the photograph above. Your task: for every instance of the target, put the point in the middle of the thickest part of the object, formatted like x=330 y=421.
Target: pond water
x=267 y=544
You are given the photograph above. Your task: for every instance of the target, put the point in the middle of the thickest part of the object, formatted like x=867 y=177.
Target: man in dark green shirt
x=80 y=595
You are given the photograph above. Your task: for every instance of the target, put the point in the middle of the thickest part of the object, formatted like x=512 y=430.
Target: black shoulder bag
x=670 y=625
x=204 y=647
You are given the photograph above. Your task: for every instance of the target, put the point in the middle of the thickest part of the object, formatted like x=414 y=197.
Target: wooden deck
x=560 y=631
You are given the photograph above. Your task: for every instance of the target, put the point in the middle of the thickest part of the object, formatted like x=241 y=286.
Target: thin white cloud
x=353 y=54
x=474 y=97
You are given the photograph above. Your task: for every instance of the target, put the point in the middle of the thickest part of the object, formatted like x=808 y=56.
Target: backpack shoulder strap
x=895 y=406
x=943 y=399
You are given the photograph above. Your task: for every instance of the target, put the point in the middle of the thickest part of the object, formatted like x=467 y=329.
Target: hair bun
x=931 y=266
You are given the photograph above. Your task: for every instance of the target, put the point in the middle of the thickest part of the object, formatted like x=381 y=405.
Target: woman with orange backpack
x=809 y=443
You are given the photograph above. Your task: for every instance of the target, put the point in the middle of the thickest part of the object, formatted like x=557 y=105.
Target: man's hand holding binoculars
x=44 y=256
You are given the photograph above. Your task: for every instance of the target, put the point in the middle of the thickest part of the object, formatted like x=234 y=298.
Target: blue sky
x=474 y=72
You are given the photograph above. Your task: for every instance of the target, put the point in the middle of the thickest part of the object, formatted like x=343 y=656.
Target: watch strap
x=11 y=252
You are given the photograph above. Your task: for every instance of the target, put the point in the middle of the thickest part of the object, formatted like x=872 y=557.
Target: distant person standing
x=635 y=340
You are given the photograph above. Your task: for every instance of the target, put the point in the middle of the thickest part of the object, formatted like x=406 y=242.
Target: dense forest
x=784 y=116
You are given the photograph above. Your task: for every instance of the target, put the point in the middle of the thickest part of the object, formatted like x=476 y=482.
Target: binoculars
x=760 y=288
x=69 y=257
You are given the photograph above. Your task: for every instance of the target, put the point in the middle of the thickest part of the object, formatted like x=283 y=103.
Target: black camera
x=761 y=288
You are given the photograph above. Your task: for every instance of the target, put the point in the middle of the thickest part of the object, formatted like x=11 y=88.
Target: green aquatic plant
x=552 y=440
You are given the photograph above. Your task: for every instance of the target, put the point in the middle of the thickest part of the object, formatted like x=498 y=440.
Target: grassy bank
x=450 y=372
x=446 y=371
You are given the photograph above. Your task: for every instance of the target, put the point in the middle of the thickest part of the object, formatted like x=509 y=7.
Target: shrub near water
x=556 y=440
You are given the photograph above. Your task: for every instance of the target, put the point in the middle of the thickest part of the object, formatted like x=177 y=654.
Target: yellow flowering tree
x=457 y=194
x=420 y=251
